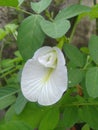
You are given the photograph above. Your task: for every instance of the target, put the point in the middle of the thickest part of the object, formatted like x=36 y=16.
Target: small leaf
x=94 y=12
x=93 y=48
x=38 y=7
x=6 y=96
x=72 y=11
x=92 y=82
x=9 y=113
x=74 y=55
x=50 y=120
x=10 y=28
x=2 y=34
x=7 y=101
x=89 y=114
x=55 y=29
x=13 y=3
x=32 y=114
x=86 y=127
x=14 y=125
x=70 y=117
x=20 y=103
x=30 y=36
x=75 y=76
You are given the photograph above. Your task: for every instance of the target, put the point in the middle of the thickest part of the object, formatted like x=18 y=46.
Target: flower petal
x=42 y=51
x=60 y=56
x=31 y=83
x=54 y=88
x=41 y=83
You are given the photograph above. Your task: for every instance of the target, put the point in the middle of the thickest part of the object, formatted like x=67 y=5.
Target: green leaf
x=72 y=11
x=70 y=117
x=9 y=113
x=13 y=3
x=30 y=36
x=94 y=12
x=7 y=102
x=89 y=114
x=86 y=127
x=55 y=29
x=38 y=7
x=93 y=48
x=32 y=114
x=74 y=55
x=15 y=125
x=20 y=2
x=2 y=34
x=10 y=28
x=50 y=120
x=75 y=76
x=6 y=96
x=20 y=103
x=92 y=82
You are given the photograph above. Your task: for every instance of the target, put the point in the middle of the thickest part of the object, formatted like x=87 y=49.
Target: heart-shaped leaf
x=55 y=29
x=30 y=36
x=38 y=7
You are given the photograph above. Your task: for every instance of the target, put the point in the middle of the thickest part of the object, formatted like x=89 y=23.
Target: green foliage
x=93 y=45
x=89 y=115
x=75 y=76
x=50 y=120
x=86 y=127
x=79 y=103
x=74 y=55
x=70 y=117
x=20 y=2
x=94 y=12
x=92 y=82
x=13 y=125
x=72 y=11
x=6 y=96
x=20 y=103
x=38 y=7
x=55 y=29
x=2 y=34
x=13 y=3
x=31 y=114
x=30 y=36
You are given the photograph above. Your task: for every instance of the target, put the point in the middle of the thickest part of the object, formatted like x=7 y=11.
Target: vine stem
x=73 y=30
x=74 y=27
x=81 y=104
x=24 y=11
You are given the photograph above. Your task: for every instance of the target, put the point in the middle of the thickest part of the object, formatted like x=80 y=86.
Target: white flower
x=44 y=77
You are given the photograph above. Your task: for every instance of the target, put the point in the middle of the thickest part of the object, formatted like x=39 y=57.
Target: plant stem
x=73 y=30
x=81 y=104
x=24 y=11
x=74 y=27
x=1 y=50
x=11 y=71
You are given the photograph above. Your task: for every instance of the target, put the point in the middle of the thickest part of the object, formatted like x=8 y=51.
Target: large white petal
x=54 y=88
x=31 y=80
